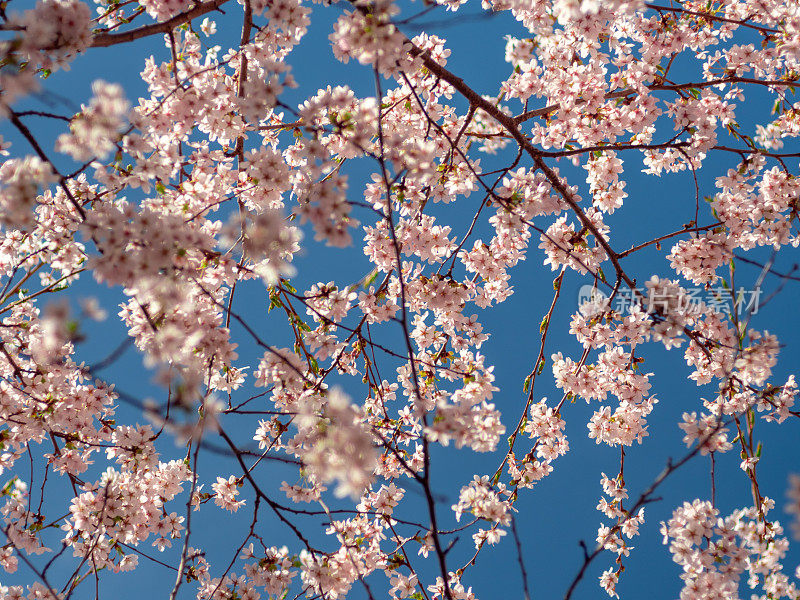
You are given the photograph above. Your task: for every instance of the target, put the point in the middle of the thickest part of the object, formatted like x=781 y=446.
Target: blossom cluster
x=198 y=211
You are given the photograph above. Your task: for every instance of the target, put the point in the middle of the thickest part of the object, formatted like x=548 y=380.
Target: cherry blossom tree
x=182 y=206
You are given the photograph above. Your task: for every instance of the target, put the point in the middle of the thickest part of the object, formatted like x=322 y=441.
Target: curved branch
x=103 y=40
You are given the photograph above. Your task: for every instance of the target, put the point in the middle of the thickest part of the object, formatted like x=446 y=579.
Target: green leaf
x=274 y=302
x=8 y=486
x=370 y=279
x=527 y=384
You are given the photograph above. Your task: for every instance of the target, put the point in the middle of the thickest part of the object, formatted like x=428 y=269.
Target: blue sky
x=560 y=510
